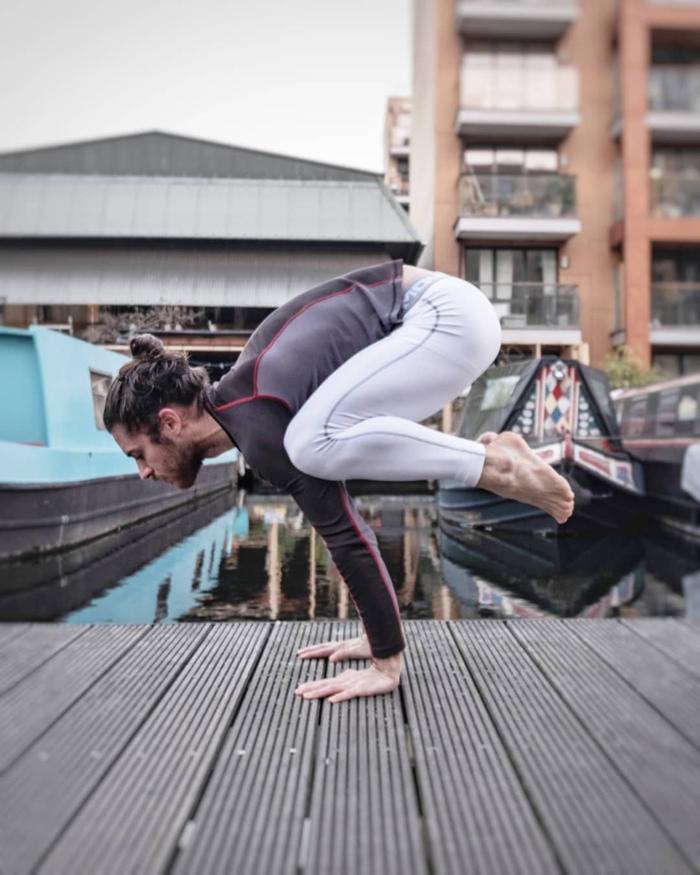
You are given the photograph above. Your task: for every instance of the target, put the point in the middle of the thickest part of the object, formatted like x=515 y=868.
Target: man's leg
x=362 y=421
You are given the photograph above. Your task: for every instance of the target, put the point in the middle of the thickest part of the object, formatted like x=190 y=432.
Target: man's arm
x=353 y=547
x=332 y=512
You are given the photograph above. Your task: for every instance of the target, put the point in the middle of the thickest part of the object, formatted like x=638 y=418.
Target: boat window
x=666 y=412
x=498 y=392
x=100 y=385
x=688 y=421
x=634 y=417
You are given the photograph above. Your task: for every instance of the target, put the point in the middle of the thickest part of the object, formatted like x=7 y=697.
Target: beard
x=183 y=465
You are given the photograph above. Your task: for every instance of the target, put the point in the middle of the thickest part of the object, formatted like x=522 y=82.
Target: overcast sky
x=301 y=77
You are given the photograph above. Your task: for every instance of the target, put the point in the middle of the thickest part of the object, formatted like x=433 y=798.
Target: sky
x=308 y=78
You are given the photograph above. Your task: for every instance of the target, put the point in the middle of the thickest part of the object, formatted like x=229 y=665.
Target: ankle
x=498 y=467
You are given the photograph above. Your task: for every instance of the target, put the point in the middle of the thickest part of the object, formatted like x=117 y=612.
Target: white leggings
x=362 y=421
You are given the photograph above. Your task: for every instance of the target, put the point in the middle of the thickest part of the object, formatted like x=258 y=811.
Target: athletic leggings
x=362 y=421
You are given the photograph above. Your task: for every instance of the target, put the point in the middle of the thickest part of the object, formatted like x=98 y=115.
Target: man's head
x=151 y=408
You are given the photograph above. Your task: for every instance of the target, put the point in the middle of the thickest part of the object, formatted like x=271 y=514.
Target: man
x=332 y=386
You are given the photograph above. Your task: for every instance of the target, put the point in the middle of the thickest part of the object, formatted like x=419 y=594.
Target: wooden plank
x=595 y=820
x=674 y=639
x=661 y=765
x=133 y=820
x=44 y=789
x=364 y=810
x=251 y=813
x=23 y=654
x=31 y=706
x=10 y=631
x=474 y=805
x=656 y=677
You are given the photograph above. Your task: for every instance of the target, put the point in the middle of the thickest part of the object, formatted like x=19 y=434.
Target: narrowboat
x=563 y=409
x=660 y=428
x=63 y=479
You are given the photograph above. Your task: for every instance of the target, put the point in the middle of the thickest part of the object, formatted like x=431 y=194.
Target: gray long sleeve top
x=286 y=358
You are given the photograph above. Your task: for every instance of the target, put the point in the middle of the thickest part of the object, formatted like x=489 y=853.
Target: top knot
x=146 y=347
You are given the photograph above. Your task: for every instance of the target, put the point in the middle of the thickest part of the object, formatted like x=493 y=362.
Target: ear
x=170 y=422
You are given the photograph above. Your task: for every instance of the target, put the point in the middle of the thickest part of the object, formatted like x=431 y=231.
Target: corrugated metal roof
x=193 y=277
x=37 y=205
x=155 y=153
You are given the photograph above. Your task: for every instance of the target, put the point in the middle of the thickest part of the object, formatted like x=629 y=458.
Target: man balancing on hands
x=332 y=386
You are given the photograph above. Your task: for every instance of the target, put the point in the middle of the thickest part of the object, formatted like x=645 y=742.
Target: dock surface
x=526 y=746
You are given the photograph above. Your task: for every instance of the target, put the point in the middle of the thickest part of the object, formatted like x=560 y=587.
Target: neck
x=211 y=436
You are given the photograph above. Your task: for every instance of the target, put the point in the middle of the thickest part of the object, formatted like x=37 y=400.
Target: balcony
x=523 y=207
x=536 y=312
x=535 y=102
x=675 y=314
x=674 y=103
x=519 y=19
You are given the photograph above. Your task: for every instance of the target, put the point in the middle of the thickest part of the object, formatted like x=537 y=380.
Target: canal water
x=258 y=558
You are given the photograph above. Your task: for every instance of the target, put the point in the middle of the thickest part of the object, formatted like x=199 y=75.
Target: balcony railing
x=675 y=194
x=533 y=305
x=535 y=195
x=674 y=88
x=675 y=304
x=518 y=87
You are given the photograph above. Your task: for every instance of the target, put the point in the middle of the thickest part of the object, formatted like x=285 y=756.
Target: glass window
x=676 y=265
x=633 y=418
x=666 y=412
x=667 y=364
x=100 y=386
x=688 y=411
x=498 y=392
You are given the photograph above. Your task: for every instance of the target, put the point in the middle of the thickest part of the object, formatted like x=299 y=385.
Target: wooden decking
x=512 y=747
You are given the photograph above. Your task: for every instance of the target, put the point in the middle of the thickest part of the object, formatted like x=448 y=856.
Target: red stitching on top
x=253 y=398
x=387 y=581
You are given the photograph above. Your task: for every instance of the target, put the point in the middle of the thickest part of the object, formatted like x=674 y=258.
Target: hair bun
x=146 y=346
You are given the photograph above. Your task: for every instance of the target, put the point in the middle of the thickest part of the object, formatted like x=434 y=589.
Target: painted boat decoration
x=63 y=479
x=660 y=427
x=563 y=410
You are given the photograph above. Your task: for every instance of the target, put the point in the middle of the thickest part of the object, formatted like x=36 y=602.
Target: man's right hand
x=349 y=648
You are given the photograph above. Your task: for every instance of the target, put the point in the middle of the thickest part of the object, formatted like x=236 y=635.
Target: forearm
x=353 y=548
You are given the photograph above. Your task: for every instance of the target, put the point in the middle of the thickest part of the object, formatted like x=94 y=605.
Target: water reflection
x=260 y=559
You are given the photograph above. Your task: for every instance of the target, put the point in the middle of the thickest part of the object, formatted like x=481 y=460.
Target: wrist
x=391 y=666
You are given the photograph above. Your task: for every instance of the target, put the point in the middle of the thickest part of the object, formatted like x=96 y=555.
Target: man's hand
x=381 y=677
x=350 y=648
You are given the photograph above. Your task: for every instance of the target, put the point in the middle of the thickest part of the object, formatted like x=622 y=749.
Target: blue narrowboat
x=63 y=479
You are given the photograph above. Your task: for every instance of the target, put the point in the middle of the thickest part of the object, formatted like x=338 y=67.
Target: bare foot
x=488 y=437
x=512 y=470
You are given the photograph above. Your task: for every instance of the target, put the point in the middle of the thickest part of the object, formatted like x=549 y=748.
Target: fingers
x=487 y=437
x=317 y=651
x=325 y=686
x=351 y=692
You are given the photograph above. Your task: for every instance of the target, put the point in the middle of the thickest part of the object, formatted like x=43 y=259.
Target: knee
x=487 y=342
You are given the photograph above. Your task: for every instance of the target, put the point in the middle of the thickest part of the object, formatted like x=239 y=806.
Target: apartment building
x=558 y=147
x=397 y=149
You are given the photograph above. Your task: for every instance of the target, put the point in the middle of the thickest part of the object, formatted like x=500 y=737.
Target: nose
x=145 y=472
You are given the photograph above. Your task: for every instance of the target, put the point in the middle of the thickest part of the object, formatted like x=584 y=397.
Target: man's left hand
x=382 y=676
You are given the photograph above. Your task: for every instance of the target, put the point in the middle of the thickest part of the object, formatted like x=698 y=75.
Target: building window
x=510 y=159
x=100 y=386
x=499 y=270
x=675 y=182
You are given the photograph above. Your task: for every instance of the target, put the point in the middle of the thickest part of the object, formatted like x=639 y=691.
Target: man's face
x=173 y=458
